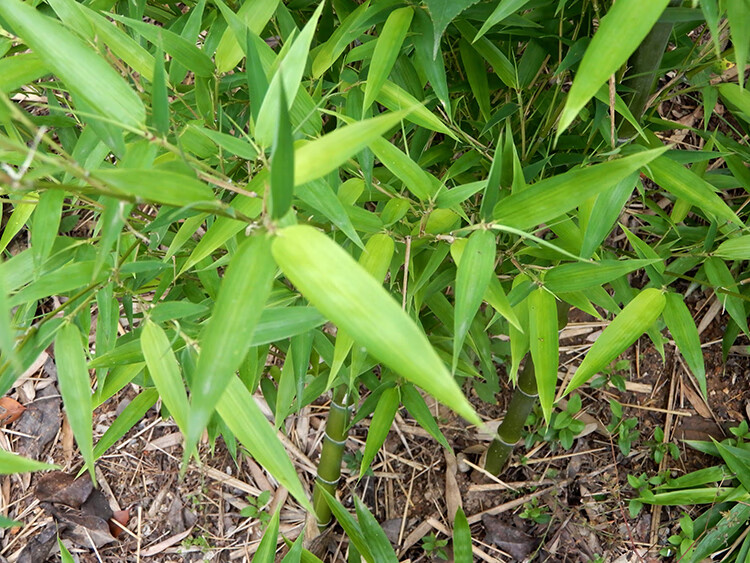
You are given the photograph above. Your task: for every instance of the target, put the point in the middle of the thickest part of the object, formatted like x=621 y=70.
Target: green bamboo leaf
x=319 y=195
x=321 y=156
x=386 y=51
x=267 y=549
x=382 y=419
x=738 y=14
x=350 y=526
x=11 y=463
x=288 y=76
x=721 y=278
x=544 y=346
x=230 y=143
x=519 y=339
x=245 y=420
x=737 y=248
x=737 y=460
x=179 y=48
x=442 y=13
x=227 y=336
x=75 y=388
x=375 y=259
x=65 y=555
x=473 y=275
x=133 y=413
x=7 y=332
x=605 y=210
x=377 y=541
x=86 y=75
x=396 y=98
x=418 y=409
x=158 y=186
x=680 y=323
x=461 y=538
x=420 y=183
x=476 y=74
x=165 y=371
x=21 y=213
x=282 y=162
x=620 y=32
x=346 y=32
x=45 y=224
x=428 y=60
x=551 y=197
x=159 y=99
x=19 y=70
x=190 y=32
x=255 y=14
x=356 y=302
x=579 y=276
x=718 y=536
x=625 y=329
x=294 y=554
x=687 y=185
x=502 y=11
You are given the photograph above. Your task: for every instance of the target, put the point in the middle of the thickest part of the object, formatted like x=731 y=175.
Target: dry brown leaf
x=10 y=410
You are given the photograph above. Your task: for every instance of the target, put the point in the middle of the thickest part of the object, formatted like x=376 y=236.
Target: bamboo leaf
x=11 y=463
x=418 y=409
x=321 y=156
x=165 y=371
x=159 y=99
x=87 y=75
x=253 y=13
x=377 y=541
x=75 y=388
x=721 y=278
x=682 y=326
x=282 y=162
x=620 y=32
x=442 y=13
x=350 y=526
x=355 y=301
x=502 y=11
x=687 y=185
x=420 y=183
x=461 y=538
x=737 y=248
x=267 y=549
x=623 y=331
x=579 y=276
x=382 y=419
x=386 y=51
x=158 y=186
x=245 y=420
x=544 y=346
x=549 y=198
x=133 y=413
x=473 y=275
x=738 y=13
x=228 y=334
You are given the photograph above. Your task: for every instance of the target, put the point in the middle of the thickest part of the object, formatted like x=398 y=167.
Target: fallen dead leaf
x=10 y=410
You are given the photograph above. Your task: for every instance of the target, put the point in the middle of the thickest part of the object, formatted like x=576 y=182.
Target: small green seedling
x=539 y=514
x=257 y=508
x=435 y=547
x=624 y=428
x=659 y=448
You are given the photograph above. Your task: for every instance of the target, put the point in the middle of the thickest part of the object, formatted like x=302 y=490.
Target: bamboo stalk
x=329 y=466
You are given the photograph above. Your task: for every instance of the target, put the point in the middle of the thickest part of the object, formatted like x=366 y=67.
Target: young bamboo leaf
x=282 y=163
x=45 y=224
x=418 y=409
x=738 y=13
x=75 y=388
x=721 y=278
x=228 y=333
x=625 y=329
x=165 y=371
x=472 y=280
x=737 y=460
x=84 y=73
x=386 y=51
x=158 y=186
x=420 y=183
x=255 y=14
x=246 y=421
x=551 y=197
x=376 y=259
x=294 y=554
x=502 y=11
x=267 y=549
x=687 y=185
x=737 y=248
x=321 y=156
x=579 y=276
x=381 y=422
x=352 y=528
x=133 y=413
x=680 y=323
x=11 y=463
x=377 y=541
x=519 y=339
x=544 y=346
x=442 y=13
x=461 y=538
x=159 y=99
x=620 y=32
x=350 y=297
